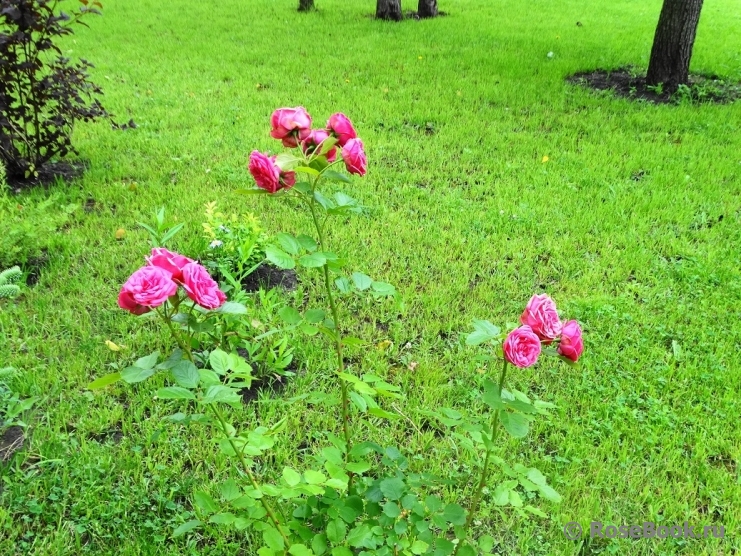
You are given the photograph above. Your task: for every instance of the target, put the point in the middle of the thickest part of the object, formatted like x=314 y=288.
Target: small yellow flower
x=112 y=346
x=545 y=159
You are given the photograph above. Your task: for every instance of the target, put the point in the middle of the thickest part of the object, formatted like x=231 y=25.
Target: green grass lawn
x=632 y=224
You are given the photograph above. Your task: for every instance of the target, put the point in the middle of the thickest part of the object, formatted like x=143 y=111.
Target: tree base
x=630 y=83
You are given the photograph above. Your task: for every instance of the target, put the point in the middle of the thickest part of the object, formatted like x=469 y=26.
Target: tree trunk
x=305 y=5
x=673 y=41
x=388 y=9
x=427 y=8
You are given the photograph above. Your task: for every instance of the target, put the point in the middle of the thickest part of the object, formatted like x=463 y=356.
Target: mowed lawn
x=490 y=179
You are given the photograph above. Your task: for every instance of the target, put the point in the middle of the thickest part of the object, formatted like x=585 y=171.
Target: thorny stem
x=485 y=471
x=222 y=423
x=338 y=336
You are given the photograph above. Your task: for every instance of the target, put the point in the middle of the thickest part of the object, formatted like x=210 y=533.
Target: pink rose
x=312 y=142
x=148 y=287
x=522 y=347
x=169 y=261
x=291 y=125
x=201 y=288
x=341 y=126
x=571 y=345
x=265 y=171
x=354 y=157
x=541 y=315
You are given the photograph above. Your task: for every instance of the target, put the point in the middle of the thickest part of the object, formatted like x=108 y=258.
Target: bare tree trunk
x=427 y=8
x=388 y=9
x=673 y=41
x=305 y=5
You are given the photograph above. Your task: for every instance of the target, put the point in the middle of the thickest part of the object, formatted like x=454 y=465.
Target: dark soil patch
x=49 y=174
x=269 y=276
x=114 y=435
x=628 y=82
x=34 y=266
x=10 y=442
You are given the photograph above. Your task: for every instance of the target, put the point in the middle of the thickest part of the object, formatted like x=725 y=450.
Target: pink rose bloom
x=522 y=347
x=341 y=126
x=265 y=171
x=148 y=287
x=312 y=142
x=201 y=288
x=572 y=344
x=169 y=261
x=541 y=315
x=287 y=179
x=354 y=157
x=291 y=125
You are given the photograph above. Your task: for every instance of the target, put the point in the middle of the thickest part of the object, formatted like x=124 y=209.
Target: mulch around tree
x=630 y=83
x=10 y=442
x=269 y=276
x=49 y=174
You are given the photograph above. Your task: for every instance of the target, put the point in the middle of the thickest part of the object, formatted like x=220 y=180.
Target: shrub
x=42 y=93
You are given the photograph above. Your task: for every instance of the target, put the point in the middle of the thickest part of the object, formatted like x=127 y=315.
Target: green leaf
x=454 y=514
x=515 y=424
x=343 y=284
x=336 y=531
x=279 y=257
x=290 y=315
x=289 y=243
x=219 y=361
x=535 y=511
x=306 y=170
x=135 y=374
x=232 y=308
x=291 y=477
x=341 y=551
x=315 y=315
x=501 y=492
x=222 y=394
x=230 y=490
x=185 y=374
x=313 y=260
x=547 y=492
x=286 y=161
x=185 y=527
x=225 y=518
x=205 y=502
x=362 y=281
x=491 y=396
x=392 y=509
x=383 y=288
x=307 y=242
x=314 y=477
x=378 y=412
x=393 y=488
x=207 y=377
x=336 y=176
x=358 y=467
x=466 y=550
x=323 y=201
x=104 y=381
x=359 y=535
x=319 y=544
x=175 y=393
x=483 y=332
x=433 y=503
x=272 y=537
x=300 y=550
x=147 y=362
x=419 y=547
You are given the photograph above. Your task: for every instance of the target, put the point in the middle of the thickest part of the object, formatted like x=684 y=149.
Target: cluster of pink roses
x=153 y=284
x=293 y=127
x=540 y=323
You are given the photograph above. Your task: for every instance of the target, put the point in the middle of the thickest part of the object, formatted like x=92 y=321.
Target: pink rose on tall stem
x=291 y=125
x=265 y=171
x=147 y=288
x=522 y=347
x=341 y=127
x=354 y=157
x=571 y=345
x=541 y=315
x=169 y=261
x=201 y=288
x=316 y=138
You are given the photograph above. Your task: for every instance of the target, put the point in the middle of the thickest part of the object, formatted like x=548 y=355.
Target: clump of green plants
x=235 y=244
x=354 y=496
x=12 y=406
x=9 y=279
x=42 y=92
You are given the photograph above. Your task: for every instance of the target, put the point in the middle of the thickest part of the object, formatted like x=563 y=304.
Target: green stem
x=338 y=335
x=222 y=423
x=251 y=476
x=485 y=471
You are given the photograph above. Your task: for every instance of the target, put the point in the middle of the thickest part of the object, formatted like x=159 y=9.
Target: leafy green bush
x=42 y=93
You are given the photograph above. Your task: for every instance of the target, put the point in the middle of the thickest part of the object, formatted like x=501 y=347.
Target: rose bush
x=522 y=347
